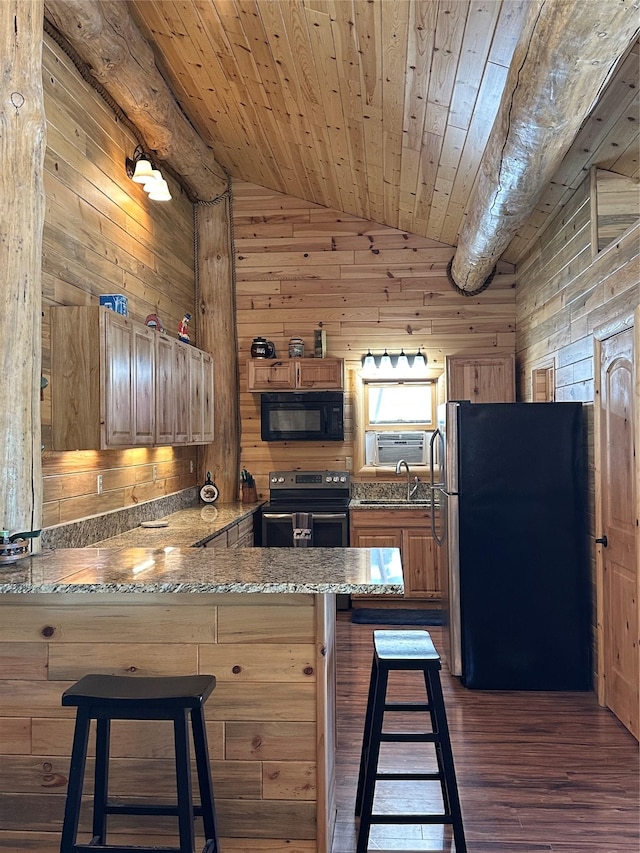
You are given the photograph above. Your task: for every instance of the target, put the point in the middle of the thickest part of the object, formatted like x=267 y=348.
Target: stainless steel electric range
x=324 y=494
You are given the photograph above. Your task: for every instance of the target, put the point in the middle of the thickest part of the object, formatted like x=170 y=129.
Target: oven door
x=330 y=529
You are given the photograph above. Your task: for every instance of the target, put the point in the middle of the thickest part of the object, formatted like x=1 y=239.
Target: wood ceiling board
x=327 y=99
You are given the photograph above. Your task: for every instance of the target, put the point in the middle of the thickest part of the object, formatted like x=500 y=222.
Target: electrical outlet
x=349 y=463
x=155 y=473
x=99 y=484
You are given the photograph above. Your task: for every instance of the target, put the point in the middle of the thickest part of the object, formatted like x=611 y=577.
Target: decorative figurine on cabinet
x=183 y=331
x=154 y=322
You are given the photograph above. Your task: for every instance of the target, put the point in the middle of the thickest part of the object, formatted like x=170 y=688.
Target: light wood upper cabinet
x=410 y=531
x=201 y=396
x=295 y=374
x=116 y=383
x=320 y=373
x=484 y=379
x=173 y=401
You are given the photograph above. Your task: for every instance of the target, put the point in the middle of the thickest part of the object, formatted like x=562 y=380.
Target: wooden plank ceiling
x=378 y=108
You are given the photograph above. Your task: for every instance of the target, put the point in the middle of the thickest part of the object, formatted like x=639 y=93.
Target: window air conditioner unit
x=390 y=447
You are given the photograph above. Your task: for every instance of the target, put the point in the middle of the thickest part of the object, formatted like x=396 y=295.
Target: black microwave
x=309 y=416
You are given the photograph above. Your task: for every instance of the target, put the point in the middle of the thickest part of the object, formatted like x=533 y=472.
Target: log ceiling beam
x=105 y=37
x=564 y=57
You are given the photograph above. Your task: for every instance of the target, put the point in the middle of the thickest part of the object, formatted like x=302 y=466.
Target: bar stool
x=113 y=697
x=406 y=650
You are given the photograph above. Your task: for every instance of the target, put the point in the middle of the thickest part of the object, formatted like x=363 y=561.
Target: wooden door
x=618 y=610
x=118 y=382
x=207 y=398
x=321 y=373
x=265 y=374
x=486 y=379
x=196 y=417
x=420 y=564
x=182 y=400
x=144 y=392
x=166 y=390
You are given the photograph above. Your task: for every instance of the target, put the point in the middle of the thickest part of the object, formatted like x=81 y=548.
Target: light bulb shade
x=419 y=366
x=143 y=171
x=368 y=365
x=385 y=368
x=159 y=191
x=153 y=180
x=402 y=365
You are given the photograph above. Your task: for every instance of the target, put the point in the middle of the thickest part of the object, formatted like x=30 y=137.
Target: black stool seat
x=115 y=697
x=406 y=650
x=120 y=691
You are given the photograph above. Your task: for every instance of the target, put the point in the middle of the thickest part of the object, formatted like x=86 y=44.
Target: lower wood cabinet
x=239 y=535
x=410 y=531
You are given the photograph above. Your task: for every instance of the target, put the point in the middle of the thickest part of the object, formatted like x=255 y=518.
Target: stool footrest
x=409 y=737
x=408 y=777
x=406 y=819
x=407 y=706
x=119 y=848
x=150 y=809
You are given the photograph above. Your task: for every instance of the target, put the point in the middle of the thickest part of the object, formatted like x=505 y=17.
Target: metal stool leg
x=444 y=755
x=201 y=749
x=366 y=737
x=101 y=785
x=183 y=783
x=76 y=779
x=373 y=754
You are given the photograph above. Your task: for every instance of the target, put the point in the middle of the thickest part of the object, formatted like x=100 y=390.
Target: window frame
x=400 y=426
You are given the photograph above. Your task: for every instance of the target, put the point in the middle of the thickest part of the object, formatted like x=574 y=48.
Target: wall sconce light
x=390 y=366
x=140 y=169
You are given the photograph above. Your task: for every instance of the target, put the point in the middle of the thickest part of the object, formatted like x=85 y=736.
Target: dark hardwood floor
x=536 y=771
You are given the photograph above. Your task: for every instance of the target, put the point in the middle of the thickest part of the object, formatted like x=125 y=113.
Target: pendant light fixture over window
x=141 y=170
x=391 y=366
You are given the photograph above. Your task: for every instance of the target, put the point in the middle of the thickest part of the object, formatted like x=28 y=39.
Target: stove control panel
x=309 y=480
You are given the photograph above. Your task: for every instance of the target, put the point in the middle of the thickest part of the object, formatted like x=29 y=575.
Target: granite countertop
x=368 y=571
x=187 y=527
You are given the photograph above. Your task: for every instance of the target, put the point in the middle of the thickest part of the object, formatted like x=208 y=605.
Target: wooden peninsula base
x=270 y=720
x=262 y=620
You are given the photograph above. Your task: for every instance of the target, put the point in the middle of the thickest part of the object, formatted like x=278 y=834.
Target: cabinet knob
x=602 y=540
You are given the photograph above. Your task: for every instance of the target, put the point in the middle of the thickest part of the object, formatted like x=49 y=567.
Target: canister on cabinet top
x=296 y=348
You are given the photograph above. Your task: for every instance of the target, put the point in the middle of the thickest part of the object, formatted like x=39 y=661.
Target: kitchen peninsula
x=261 y=620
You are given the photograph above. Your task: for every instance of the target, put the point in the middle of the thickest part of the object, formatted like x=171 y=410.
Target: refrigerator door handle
x=439 y=538
x=436 y=436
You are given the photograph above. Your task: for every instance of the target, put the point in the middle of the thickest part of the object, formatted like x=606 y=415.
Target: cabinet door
x=182 y=399
x=144 y=392
x=265 y=374
x=369 y=538
x=118 y=413
x=420 y=562
x=201 y=396
x=322 y=373
x=207 y=398
x=166 y=388
x=488 y=379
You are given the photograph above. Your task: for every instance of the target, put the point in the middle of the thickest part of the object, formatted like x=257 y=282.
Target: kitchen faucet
x=411 y=490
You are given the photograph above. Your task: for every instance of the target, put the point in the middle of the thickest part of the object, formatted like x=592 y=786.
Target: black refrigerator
x=510 y=519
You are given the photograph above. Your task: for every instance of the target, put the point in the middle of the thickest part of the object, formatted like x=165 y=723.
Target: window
x=400 y=405
x=398 y=419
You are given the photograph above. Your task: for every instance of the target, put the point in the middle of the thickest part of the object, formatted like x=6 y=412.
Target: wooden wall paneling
x=262 y=721
x=102 y=235
x=559 y=302
x=375 y=287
